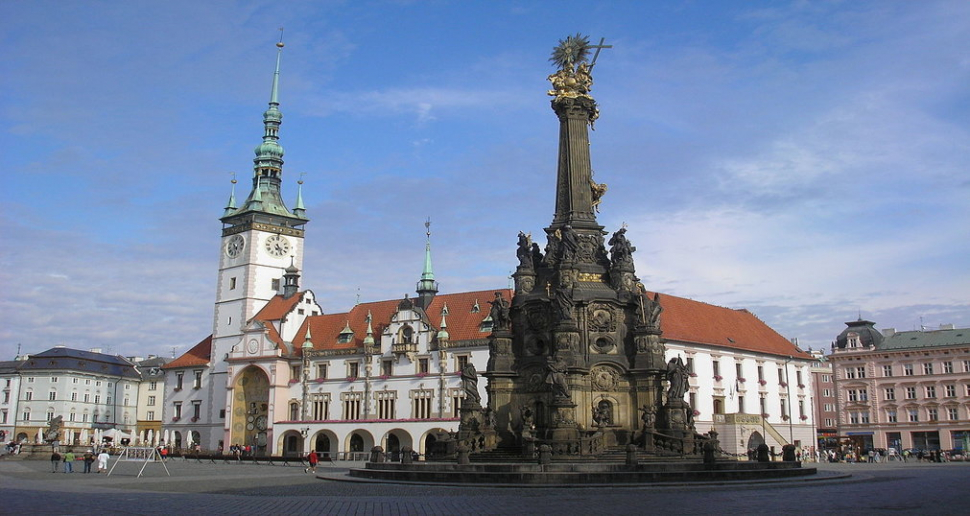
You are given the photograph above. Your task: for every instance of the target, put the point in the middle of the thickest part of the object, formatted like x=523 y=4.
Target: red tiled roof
x=198 y=355
x=694 y=322
x=463 y=324
x=277 y=307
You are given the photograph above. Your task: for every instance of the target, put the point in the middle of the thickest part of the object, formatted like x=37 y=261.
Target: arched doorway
x=291 y=445
x=393 y=448
x=755 y=440
x=356 y=443
x=250 y=409
x=322 y=445
x=178 y=440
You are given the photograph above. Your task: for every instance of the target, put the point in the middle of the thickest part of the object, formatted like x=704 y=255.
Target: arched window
x=356 y=443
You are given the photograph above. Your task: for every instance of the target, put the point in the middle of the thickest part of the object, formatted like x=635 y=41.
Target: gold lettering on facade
x=591 y=277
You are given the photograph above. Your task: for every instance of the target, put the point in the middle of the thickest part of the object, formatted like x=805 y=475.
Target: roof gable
x=199 y=355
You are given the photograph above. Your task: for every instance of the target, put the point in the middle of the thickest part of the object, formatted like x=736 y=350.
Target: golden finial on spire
x=280 y=44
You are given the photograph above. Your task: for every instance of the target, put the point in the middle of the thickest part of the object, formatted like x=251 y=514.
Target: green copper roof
x=265 y=196
x=427 y=282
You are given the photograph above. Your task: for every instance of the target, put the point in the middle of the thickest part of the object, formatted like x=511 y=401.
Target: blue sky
x=807 y=161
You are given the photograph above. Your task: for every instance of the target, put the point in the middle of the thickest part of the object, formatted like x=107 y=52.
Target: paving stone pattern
x=28 y=487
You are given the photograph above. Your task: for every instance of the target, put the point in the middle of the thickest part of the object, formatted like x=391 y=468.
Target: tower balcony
x=404 y=347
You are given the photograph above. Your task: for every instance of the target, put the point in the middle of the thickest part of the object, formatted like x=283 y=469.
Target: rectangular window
x=947 y=367
x=197 y=382
x=953 y=413
x=421 y=404
x=53 y=395
x=911 y=393
x=196 y=410
x=737 y=370
x=887 y=370
x=151 y=401
x=763 y=405
x=930 y=391
x=829 y=407
x=891 y=416
x=864 y=418
x=933 y=414
x=462 y=361
x=860 y=372
x=927 y=368
x=783 y=405
x=97 y=399
x=351 y=402
x=87 y=397
x=322 y=371
x=29 y=395
x=849 y=373
x=913 y=415
x=690 y=364
x=152 y=386
x=826 y=393
x=456 y=397
x=295 y=373
x=75 y=381
x=853 y=418
x=908 y=369
x=232 y=283
x=353 y=370
x=761 y=373
x=801 y=408
x=853 y=395
x=951 y=391
x=826 y=378
x=890 y=394
x=829 y=422
x=108 y=401
x=798 y=377
x=863 y=394
x=717 y=367
x=178 y=409
x=275 y=285
x=740 y=404
x=73 y=396
x=151 y=415
x=387 y=367
x=966 y=366
x=424 y=365
x=178 y=381
x=782 y=376
x=320 y=406
x=26 y=415
x=53 y=379
x=386 y=404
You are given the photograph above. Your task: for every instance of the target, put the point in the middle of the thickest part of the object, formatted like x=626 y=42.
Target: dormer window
x=486 y=325
x=346 y=335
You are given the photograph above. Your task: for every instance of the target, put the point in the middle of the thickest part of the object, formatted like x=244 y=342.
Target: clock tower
x=260 y=239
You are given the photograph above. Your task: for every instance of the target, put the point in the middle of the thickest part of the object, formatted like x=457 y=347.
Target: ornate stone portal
x=578 y=363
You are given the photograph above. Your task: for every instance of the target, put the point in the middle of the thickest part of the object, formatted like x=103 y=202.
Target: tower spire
x=427 y=287
x=265 y=196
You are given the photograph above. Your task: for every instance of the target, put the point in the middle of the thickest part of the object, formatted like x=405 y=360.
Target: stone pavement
x=28 y=487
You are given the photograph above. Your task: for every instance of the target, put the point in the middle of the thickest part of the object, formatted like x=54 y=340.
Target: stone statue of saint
x=556 y=379
x=649 y=416
x=536 y=255
x=621 y=251
x=524 y=251
x=569 y=243
x=500 y=313
x=677 y=375
x=469 y=383
x=649 y=313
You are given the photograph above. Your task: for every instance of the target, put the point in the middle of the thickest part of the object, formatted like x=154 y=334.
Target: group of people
x=87 y=457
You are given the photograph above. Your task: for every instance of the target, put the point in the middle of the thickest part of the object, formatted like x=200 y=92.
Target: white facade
x=744 y=395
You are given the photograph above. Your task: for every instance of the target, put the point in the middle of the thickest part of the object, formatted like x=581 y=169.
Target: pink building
x=903 y=390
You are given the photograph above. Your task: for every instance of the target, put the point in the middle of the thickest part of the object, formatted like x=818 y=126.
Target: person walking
x=69 y=462
x=103 y=461
x=88 y=460
x=312 y=459
x=55 y=459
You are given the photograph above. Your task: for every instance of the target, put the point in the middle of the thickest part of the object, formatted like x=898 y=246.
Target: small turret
x=291 y=280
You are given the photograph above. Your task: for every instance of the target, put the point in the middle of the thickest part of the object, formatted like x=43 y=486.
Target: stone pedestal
x=563 y=425
x=473 y=430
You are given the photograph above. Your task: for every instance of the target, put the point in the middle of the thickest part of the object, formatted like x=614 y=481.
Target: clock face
x=253 y=346
x=277 y=245
x=261 y=423
x=235 y=246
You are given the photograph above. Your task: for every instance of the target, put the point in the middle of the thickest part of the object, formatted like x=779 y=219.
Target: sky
x=806 y=161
